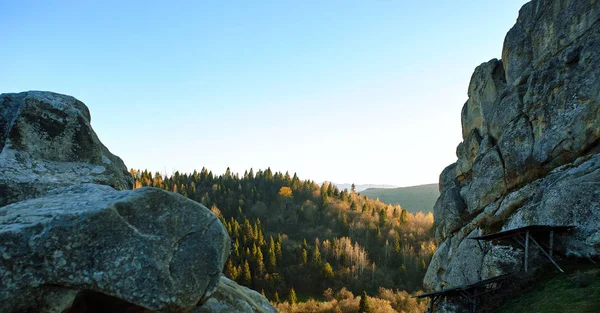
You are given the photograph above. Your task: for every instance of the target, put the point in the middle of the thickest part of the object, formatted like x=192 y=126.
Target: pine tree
x=278 y=253
x=260 y=264
x=304 y=257
x=316 y=257
x=271 y=261
x=230 y=270
x=382 y=217
x=327 y=271
x=246 y=279
x=364 y=306
x=292 y=297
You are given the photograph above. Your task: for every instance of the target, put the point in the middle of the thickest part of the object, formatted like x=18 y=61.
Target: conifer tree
x=292 y=297
x=327 y=271
x=260 y=264
x=364 y=306
x=316 y=257
x=271 y=257
x=278 y=252
x=304 y=257
x=246 y=279
x=382 y=217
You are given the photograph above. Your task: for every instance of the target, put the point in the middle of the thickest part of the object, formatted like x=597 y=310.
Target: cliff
x=530 y=153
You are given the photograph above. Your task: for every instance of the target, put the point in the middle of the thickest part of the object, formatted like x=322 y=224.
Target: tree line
x=296 y=236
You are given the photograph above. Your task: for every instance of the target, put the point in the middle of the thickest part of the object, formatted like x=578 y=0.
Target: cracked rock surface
x=149 y=247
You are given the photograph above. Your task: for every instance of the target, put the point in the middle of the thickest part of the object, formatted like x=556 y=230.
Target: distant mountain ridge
x=413 y=198
x=361 y=187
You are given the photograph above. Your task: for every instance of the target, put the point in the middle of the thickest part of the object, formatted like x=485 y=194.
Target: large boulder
x=233 y=298
x=46 y=142
x=148 y=249
x=531 y=145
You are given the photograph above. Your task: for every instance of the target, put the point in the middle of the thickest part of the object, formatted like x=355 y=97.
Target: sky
x=334 y=90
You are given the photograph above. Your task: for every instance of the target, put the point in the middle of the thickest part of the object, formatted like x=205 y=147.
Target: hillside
x=577 y=290
x=361 y=187
x=293 y=234
x=414 y=198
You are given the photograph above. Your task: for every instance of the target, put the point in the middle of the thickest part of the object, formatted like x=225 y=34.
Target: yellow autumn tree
x=285 y=192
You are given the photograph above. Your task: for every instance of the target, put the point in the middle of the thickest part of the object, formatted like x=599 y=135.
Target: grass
x=578 y=290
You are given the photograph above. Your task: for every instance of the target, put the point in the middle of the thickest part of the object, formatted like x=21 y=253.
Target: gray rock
x=569 y=195
x=456 y=261
x=46 y=142
x=449 y=210
x=507 y=107
x=233 y=298
x=438 y=266
x=516 y=147
x=500 y=260
x=149 y=247
x=488 y=182
x=448 y=177
x=538 y=159
x=467 y=151
x=486 y=83
x=465 y=264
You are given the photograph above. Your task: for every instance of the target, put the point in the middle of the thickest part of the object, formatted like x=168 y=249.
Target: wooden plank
x=479 y=244
x=526 y=261
x=547 y=255
x=522 y=230
x=518 y=240
x=551 y=241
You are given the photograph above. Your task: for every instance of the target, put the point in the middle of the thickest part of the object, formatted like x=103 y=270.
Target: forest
x=294 y=240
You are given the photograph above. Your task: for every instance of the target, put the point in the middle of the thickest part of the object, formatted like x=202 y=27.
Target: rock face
x=46 y=142
x=531 y=145
x=233 y=298
x=71 y=242
x=150 y=247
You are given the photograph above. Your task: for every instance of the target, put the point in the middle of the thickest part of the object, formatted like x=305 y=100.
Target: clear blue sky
x=340 y=90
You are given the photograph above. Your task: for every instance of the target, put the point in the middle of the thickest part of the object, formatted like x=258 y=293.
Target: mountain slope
x=288 y=233
x=361 y=187
x=413 y=198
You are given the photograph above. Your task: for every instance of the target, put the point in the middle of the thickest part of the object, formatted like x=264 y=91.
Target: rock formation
x=75 y=238
x=233 y=298
x=531 y=143
x=46 y=142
